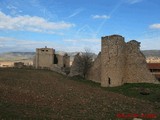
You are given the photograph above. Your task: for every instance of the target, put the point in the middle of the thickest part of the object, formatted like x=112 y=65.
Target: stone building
x=19 y=64
x=63 y=60
x=46 y=58
x=119 y=62
x=155 y=69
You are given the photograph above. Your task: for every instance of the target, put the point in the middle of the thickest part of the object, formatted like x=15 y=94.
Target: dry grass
x=41 y=94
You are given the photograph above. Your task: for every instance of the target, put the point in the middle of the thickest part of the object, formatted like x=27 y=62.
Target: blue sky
x=72 y=25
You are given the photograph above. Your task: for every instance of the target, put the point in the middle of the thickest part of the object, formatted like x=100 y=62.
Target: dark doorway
x=55 y=59
x=109 y=80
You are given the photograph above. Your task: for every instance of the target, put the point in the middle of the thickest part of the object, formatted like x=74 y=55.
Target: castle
x=117 y=63
x=48 y=59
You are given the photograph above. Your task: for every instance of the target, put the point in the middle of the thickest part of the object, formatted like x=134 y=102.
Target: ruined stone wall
x=44 y=57
x=120 y=63
x=66 y=60
x=94 y=72
x=136 y=70
x=112 y=60
x=75 y=70
x=60 y=60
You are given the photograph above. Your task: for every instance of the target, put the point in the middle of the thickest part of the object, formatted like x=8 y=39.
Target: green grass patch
x=135 y=89
x=129 y=89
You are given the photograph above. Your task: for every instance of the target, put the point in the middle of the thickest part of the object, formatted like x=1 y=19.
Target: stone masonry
x=46 y=58
x=119 y=62
x=94 y=73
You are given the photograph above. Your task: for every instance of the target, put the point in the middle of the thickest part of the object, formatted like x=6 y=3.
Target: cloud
x=13 y=10
x=155 y=26
x=8 y=44
x=11 y=7
x=150 y=44
x=90 y=40
x=150 y=39
x=80 y=44
x=134 y=1
x=29 y=23
x=100 y=17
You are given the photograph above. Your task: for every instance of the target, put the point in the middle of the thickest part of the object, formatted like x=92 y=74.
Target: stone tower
x=112 y=60
x=119 y=63
x=44 y=57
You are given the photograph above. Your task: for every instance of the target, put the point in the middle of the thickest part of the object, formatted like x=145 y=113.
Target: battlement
x=45 y=51
x=112 y=37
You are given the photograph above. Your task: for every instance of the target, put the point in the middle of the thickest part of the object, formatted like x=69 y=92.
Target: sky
x=74 y=25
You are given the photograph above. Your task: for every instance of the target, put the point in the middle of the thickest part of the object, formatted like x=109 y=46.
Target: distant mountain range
x=151 y=53
x=14 y=56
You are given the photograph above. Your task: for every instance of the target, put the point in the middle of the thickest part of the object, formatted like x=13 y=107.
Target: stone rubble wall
x=120 y=63
x=66 y=60
x=46 y=58
x=58 y=69
x=136 y=70
x=113 y=60
x=60 y=60
x=74 y=71
x=94 y=72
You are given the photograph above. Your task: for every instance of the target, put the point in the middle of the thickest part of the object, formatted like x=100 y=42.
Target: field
x=27 y=94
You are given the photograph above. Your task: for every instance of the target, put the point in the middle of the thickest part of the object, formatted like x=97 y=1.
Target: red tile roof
x=153 y=65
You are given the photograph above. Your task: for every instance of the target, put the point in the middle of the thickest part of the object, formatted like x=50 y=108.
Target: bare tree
x=83 y=62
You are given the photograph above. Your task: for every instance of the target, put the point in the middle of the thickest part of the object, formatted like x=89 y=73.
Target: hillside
x=13 y=56
x=41 y=94
x=151 y=53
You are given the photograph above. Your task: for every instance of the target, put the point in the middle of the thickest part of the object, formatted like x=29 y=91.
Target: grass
x=130 y=89
x=134 y=89
x=46 y=95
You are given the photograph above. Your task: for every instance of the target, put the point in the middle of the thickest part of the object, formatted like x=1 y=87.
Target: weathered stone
x=94 y=72
x=120 y=63
x=46 y=58
x=112 y=60
x=75 y=70
x=136 y=70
